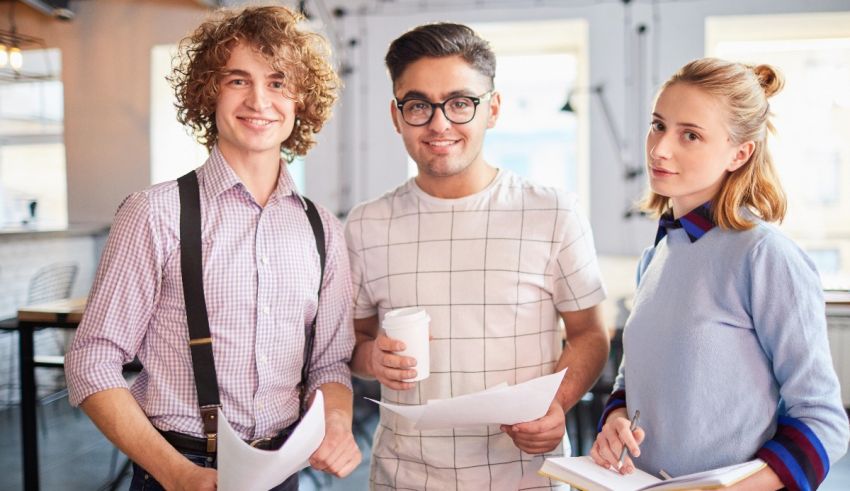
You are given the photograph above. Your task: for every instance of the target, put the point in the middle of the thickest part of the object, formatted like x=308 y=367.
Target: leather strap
x=200 y=340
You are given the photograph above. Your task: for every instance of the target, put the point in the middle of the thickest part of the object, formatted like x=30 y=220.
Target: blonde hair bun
x=770 y=79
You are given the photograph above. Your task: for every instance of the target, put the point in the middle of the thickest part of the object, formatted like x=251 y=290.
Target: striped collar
x=696 y=223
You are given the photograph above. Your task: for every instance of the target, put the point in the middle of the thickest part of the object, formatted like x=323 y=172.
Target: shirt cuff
x=796 y=455
x=616 y=401
x=340 y=375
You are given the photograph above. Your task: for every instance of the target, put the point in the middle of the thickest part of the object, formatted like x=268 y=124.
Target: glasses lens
x=460 y=109
x=416 y=111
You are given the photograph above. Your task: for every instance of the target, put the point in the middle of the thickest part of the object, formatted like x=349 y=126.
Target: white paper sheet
x=245 y=468
x=498 y=405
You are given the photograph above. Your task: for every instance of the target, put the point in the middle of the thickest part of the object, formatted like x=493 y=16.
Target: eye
x=656 y=126
x=416 y=106
x=238 y=82
x=461 y=103
x=690 y=136
x=276 y=85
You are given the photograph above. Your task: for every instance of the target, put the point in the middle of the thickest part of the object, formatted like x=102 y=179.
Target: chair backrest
x=52 y=282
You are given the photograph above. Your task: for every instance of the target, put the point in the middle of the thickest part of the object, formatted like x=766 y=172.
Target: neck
x=258 y=171
x=465 y=183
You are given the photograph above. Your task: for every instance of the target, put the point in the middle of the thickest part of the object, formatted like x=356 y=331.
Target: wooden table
x=64 y=314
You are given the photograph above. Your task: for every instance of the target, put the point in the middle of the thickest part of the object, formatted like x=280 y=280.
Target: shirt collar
x=696 y=223
x=219 y=177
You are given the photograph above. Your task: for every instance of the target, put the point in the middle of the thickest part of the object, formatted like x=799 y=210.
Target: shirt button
x=260 y=406
x=265 y=259
x=266 y=309
x=264 y=359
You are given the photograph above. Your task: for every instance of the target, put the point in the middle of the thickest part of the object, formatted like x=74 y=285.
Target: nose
x=439 y=122
x=658 y=145
x=257 y=99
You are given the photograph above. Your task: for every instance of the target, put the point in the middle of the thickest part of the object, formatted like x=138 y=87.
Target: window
x=32 y=152
x=812 y=117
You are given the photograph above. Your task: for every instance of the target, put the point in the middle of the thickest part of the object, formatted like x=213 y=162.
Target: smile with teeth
x=442 y=143
x=258 y=122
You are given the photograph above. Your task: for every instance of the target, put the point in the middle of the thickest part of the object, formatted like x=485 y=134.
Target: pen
x=631 y=428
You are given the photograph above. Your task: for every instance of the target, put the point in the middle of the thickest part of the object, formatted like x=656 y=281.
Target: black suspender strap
x=319 y=235
x=200 y=341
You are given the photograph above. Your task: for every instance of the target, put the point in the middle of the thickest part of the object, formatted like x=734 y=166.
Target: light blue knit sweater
x=726 y=353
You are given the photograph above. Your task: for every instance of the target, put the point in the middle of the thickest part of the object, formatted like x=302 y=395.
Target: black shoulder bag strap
x=200 y=340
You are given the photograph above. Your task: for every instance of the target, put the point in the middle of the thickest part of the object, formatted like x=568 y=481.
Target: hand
x=541 y=435
x=389 y=368
x=338 y=454
x=196 y=478
x=609 y=443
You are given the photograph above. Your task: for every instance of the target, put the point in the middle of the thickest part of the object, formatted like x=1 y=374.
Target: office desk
x=62 y=314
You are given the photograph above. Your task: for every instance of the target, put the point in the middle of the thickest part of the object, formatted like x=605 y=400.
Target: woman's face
x=688 y=148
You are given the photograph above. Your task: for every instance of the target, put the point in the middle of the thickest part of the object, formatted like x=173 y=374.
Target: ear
x=495 y=106
x=396 y=116
x=742 y=155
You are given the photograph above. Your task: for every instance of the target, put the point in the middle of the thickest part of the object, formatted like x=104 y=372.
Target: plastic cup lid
x=405 y=317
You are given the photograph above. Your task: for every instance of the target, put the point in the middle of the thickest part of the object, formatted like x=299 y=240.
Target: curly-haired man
x=231 y=288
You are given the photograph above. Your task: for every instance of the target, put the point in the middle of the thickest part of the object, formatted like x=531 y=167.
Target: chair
x=52 y=282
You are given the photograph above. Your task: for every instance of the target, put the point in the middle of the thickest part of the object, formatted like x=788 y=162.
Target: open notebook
x=583 y=473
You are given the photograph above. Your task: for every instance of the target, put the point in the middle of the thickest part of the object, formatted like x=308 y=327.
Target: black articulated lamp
x=630 y=171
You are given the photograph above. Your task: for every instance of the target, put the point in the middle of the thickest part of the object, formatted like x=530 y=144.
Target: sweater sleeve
x=618 y=396
x=787 y=308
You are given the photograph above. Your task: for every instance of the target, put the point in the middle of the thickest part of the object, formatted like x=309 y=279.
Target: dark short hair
x=272 y=31
x=437 y=41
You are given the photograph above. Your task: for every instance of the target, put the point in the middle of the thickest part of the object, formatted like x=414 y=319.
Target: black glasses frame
x=476 y=100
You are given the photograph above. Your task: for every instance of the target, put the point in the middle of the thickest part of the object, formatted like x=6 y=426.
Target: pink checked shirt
x=261 y=276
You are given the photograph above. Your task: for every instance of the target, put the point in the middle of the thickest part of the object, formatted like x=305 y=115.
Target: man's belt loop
x=209 y=414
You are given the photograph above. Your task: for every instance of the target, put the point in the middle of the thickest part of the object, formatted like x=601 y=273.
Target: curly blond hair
x=301 y=56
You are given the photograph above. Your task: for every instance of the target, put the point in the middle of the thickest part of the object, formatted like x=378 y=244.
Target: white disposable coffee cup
x=410 y=325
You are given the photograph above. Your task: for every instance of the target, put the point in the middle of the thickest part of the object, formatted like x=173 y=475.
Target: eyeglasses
x=458 y=110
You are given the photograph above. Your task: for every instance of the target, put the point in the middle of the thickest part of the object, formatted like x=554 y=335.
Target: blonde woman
x=726 y=352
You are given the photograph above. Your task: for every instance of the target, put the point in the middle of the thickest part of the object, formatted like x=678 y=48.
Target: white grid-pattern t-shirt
x=492 y=270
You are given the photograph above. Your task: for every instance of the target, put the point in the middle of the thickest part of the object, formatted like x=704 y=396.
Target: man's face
x=441 y=148
x=254 y=112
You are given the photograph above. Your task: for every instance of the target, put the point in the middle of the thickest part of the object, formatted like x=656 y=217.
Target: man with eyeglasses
x=495 y=261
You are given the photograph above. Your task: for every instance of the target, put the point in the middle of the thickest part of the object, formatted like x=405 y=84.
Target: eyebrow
x=415 y=94
x=686 y=125
x=243 y=73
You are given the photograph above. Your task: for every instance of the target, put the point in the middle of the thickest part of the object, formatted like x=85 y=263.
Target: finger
x=616 y=446
x=539 y=439
x=386 y=343
x=398 y=361
x=544 y=424
x=628 y=466
x=397 y=375
x=594 y=454
x=628 y=439
x=348 y=465
x=639 y=435
x=607 y=453
x=395 y=384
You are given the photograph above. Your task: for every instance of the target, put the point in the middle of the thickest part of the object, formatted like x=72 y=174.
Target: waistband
x=188 y=443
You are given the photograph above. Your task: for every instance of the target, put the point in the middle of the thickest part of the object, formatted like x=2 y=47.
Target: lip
x=661 y=172
x=441 y=145
x=257 y=123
